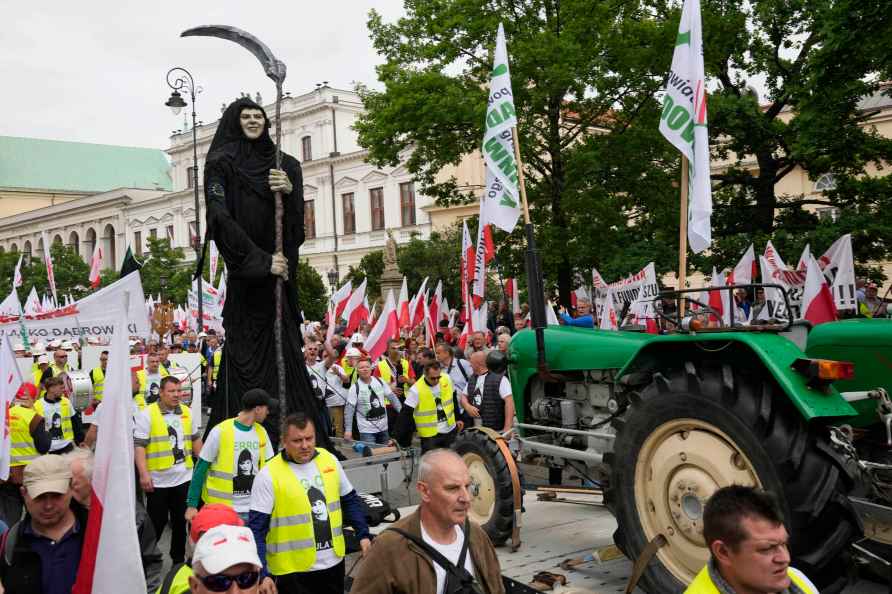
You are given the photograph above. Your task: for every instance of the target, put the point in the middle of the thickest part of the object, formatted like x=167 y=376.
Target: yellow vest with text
x=97 y=376
x=22 y=449
x=425 y=414
x=217 y=358
x=218 y=486
x=65 y=411
x=703 y=583
x=387 y=374
x=159 y=454
x=290 y=543
x=143 y=376
x=180 y=582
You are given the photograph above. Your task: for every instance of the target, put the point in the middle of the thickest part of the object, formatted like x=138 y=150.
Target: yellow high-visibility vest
x=159 y=454
x=291 y=543
x=218 y=486
x=217 y=358
x=386 y=373
x=143 y=377
x=65 y=411
x=425 y=413
x=22 y=449
x=703 y=583
x=97 y=376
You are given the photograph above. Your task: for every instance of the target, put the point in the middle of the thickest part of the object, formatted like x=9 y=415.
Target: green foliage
x=370 y=269
x=70 y=271
x=312 y=295
x=165 y=261
x=438 y=258
x=601 y=180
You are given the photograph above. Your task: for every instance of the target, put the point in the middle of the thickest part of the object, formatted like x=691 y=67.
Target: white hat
x=44 y=358
x=223 y=546
x=202 y=335
x=354 y=352
x=38 y=348
x=55 y=343
x=18 y=347
x=357 y=338
x=67 y=345
x=131 y=343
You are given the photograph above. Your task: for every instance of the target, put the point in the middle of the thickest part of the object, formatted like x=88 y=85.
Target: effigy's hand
x=279 y=182
x=279 y=265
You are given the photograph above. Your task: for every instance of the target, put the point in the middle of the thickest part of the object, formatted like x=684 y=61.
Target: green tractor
x=660 y=422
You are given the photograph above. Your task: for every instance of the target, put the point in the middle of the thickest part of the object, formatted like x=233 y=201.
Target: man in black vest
x=489 y=396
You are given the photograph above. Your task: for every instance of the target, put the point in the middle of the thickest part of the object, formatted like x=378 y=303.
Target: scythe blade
x=274 y=68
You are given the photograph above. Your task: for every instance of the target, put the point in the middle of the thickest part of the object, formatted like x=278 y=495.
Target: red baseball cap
x=211 y=515
x=26 y=390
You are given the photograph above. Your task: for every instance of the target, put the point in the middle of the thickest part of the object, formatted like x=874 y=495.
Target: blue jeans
x=382 y=437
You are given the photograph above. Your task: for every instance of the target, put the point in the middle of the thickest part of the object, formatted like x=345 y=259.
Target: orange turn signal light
x=824 y=371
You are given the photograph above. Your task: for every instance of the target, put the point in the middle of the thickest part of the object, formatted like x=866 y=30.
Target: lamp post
x=181 y=79
x=333 y=280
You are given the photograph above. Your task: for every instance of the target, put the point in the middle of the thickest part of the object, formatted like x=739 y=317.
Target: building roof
x=56 y=165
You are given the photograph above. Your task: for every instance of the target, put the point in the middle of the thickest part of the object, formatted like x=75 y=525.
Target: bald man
x=394 y=564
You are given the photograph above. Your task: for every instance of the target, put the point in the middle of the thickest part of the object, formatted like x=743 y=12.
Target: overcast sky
x=94 y=71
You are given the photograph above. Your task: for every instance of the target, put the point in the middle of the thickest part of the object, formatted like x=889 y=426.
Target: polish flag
x=429 y=327
x=802 y=266
x=463 y=337
x=717 y=298
x=416 y=308
x=110 y=558
x=48 y=261
x=435 y=313
x=608 y=314
x=489 y=247
x=817 y=301
x=354 y=310
x=11 y=380
x=513 y=293
x=95 y=265
x=17 y=276
x=386 y=328
x=467 y=262
x=373 y=312
x=598 y=280
x=744 y=272
x=480 y=261
x=402 y=312
x=341 y=297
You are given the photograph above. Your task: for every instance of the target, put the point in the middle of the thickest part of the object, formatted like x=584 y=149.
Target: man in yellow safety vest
x=150 y=378
x=232 y=455
x=299 y=504
x=165 y=440
x=749 y=546
x=430 y=406
x=62 y=424
x=97 y=376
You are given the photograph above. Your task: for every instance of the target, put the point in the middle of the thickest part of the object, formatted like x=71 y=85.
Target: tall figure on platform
x=240 y=179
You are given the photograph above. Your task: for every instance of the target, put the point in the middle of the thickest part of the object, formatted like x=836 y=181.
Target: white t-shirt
x=476 y=397
x=52 y=419
x=370 y=400
x=153 y=386
x=336 y=394
x=451 y=552
x=459 y=380
x=247 y=460
x=443 y=425
x=178 y=473
x=263 y=500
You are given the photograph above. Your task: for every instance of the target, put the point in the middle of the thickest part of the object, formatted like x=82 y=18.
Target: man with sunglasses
x=226 y=556
x=430 y=407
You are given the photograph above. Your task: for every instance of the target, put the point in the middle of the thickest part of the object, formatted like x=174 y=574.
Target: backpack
x=458 y=579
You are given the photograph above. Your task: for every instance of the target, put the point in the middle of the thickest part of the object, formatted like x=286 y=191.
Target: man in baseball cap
x=43 y=550
x=224 y=557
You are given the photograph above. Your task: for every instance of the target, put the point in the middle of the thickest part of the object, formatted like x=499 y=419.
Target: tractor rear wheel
x=695 y=430
x=492 y=492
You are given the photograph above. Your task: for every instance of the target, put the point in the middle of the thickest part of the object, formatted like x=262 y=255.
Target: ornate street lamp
x=333 y=279
x=180 y=79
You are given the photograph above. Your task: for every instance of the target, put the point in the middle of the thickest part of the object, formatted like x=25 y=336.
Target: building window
x=349 y=213
x=190 y=178
x=137 y=242
x=170 y=234
x=376 y=199
x=310 y=219
x=306 y=148
x=828 y=213
x=825 y=182
x=407 y=203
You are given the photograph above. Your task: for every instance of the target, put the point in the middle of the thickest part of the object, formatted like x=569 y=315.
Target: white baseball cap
x=67 y=345
x=354 y=352
x=223 y=546
x=44 y=358
x=55 y=343
x=357 y=339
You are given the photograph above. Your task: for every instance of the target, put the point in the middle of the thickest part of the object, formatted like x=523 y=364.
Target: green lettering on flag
x=683 y=38
x=499 y=70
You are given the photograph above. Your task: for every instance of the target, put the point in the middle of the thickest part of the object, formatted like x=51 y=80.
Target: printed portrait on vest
x=56 y=427
x=244 y=473
x=321 y=524
x=179 y=455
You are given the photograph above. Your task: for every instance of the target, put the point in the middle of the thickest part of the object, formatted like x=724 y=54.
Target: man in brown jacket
x=395 y=565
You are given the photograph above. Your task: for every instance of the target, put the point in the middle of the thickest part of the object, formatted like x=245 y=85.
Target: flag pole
x=683 y=226
x=534 y=273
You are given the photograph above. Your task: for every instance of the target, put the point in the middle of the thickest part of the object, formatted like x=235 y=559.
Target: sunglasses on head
x=221 y=583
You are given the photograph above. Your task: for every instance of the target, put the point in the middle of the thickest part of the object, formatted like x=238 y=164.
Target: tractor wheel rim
x=680 y=465
x=483 y=489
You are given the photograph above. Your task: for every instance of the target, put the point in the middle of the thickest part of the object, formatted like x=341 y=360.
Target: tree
x=71 y=274
x=370 y=269
x=311 y=293
x=163 y=260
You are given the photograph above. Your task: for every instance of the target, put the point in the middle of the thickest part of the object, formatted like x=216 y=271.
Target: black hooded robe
x=241 y=221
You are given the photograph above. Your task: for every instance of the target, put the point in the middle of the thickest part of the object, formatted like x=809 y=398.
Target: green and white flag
x=500 y=204
x=683 y=121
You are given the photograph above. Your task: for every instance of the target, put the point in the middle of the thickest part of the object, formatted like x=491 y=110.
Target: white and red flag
x=402 y=308
x=817 y=300
x=745 y=270
x=110 y=557
x=434 y=309
x=429 y=327
x=717 y=298
x=467 y=263
x=416 y=308
x=513 y=293
x=608 y=314
x=17 y=275
x=355 y=311
x=385 y=329
x=10 y=380
x=95 y=266
x=340 y=298
x=802 y=266
x=48 y=261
